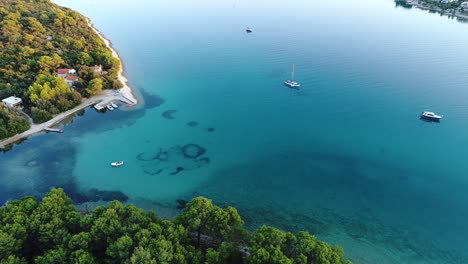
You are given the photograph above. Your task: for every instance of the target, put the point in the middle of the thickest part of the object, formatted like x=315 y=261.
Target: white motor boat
x=114 y=105
x=431 y=116
x=117 y=163
x=110 y=107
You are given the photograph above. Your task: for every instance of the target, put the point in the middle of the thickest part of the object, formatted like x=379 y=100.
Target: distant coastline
x=125 y=94
x=424 y=5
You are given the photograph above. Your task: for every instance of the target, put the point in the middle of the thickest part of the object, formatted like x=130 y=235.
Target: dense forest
x=53 y=231
x=38 y=37
x=11 y=122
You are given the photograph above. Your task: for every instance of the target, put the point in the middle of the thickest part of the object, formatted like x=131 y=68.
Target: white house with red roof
x=71 y=79
x=69 y=75
x=65 y=72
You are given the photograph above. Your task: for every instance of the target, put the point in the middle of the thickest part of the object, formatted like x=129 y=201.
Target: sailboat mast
x=292 y=74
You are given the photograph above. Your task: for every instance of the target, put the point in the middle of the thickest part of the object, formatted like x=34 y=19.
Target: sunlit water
x=346 y=157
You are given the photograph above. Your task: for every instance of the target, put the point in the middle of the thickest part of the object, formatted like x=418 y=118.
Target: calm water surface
x=346 y=157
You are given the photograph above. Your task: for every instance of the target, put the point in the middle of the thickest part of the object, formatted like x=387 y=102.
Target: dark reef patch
x=192 y=151
x=162 y=155
x=173 y=160
x=145 y=157
x=192 y=124
x=177 y=171
x=92 y=195
x=211 y=129
x=205 y=160
x=153 y=172
x=169 y=114
x=151 y=101
x=181 y=203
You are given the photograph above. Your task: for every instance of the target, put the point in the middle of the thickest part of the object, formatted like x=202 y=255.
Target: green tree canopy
x=53 y=231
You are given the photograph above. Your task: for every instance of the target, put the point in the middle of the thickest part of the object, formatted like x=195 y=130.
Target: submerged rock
x=211 y=129
x=177 y=171
x=192 y=124
x=162 y=155
x=169 y=114
x=145 y=157
x=95 y=195
x=192 y=151
x=181 y=203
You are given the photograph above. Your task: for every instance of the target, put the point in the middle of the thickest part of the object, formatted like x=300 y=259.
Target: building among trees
x=13 y=102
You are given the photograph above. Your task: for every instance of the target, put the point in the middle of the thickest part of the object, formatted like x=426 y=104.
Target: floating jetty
x=56 y=130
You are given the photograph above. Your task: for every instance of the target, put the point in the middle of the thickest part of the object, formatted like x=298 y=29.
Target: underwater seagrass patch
x=192 y=151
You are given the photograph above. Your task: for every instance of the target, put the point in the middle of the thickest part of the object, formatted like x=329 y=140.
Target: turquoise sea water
x=346 y=157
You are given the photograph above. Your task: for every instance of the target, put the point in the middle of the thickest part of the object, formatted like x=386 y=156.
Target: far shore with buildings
x=452 y=8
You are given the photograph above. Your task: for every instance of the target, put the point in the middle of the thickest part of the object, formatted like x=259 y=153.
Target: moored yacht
x=110 y=107
x=431 y=116
x=291 y=83
x=248 y=30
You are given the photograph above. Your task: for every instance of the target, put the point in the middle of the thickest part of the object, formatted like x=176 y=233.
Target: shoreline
x=124 y=94
x=126 y=91
x=430 y=8
x=105 y=97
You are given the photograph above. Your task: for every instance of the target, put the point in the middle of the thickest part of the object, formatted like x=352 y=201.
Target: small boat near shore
x=248 y=30
x=98 y=107
x=430 y=116
x=117 y=163
x=110 y=107
x=114 y=105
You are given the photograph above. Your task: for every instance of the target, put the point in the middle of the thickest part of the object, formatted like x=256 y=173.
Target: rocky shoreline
x=459 y=13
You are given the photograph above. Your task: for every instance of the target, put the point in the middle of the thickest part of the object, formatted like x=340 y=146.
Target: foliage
x=11 y=122
x=51 y=94
x=37 y=37
x=94 y=87
x=53 y=231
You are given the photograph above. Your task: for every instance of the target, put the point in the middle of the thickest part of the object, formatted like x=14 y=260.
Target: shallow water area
x=345 y=157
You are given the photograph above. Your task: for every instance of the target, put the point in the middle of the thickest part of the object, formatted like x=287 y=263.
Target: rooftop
x=12 y=100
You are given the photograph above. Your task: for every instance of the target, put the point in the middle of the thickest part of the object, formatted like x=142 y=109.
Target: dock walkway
x=105 y=98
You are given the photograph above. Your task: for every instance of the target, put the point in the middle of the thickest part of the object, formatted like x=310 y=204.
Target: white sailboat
x=291 y=83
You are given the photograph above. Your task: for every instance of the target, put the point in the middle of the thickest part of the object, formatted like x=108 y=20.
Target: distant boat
x=248 y=30
x=117 y=163
x=114 y=105
x=431 y=116
x=291 y=83
x=110 y=107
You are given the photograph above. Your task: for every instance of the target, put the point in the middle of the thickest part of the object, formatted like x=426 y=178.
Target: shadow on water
x=35 y=168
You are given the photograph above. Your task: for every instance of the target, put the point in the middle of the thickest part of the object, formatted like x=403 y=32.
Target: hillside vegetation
x=38 y=37
x=53 y=231
x=11 y=122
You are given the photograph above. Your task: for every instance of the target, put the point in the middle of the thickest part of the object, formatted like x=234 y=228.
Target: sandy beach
x=125 y=90
x=125 y=95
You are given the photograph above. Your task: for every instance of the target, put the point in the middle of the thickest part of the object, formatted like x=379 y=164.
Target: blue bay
x=345 y=157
